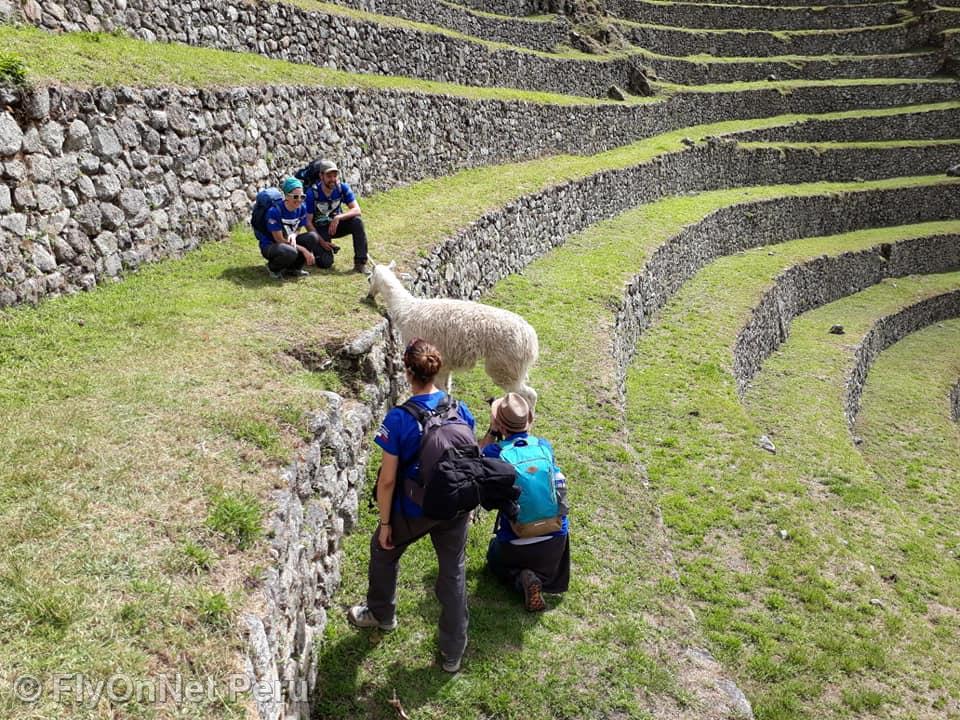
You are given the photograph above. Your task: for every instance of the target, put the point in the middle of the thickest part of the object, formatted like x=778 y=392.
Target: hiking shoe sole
x=532 y=592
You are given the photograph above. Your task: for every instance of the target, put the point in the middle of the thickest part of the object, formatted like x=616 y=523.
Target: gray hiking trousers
x=449 y=540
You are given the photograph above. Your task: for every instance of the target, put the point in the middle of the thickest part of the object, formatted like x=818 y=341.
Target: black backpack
x=450 y=462
x=310 y=173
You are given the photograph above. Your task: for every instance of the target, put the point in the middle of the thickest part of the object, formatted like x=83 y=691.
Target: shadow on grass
x=257 y=276
x=498 y=624
x=249 y=276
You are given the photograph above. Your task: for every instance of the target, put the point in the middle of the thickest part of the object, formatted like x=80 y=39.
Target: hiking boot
x=297 y=273
x=361 y=617
x=360 y=266
x=450 y=665
x=532 y=591
x=275 y=274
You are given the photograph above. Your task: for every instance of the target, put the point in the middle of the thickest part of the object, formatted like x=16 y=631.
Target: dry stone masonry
x=100 y=181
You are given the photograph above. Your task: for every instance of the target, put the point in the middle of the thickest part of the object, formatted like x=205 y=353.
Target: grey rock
x=65 y=169
x=127 y=132
x=836 y=330
x=89 y=162
x=52 y=137
x=134 y=204
x=105 y=142
x=108 y=186
x=24 y=198
x=113 y=216
x=6 y=201
x=767 y=444
x=158 y=120
x=85 y=186
x=106 y=100
x=106 y=244
x=37 y=103
x=69 y=198
x=43 y=259
x=15 y=169
x=54 y=223
x=47 y=198
x=954 y=171
x=31 y=141
x=740 y=706
x=62 y=251
x=15 y=223
x=41 y=168
x=89 y=218
x=11 y=136
x=78 y=136
x=615 y=93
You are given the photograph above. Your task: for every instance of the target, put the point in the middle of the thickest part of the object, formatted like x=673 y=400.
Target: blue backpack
x=266 y=199
x=536 y=479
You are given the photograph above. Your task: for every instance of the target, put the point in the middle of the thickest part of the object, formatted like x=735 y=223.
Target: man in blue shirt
x=286 y=249
x=333 y=212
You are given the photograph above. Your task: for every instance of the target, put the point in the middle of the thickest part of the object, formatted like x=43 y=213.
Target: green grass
x=908 y=436
x=792 y=613
x=567 y=296
x=130 y=411
x=88 y=59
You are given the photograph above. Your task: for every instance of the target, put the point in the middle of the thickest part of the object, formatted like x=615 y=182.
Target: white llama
x=463 y=331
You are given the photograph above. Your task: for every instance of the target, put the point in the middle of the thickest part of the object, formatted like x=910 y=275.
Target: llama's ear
x=406 y=277
x=392 y=265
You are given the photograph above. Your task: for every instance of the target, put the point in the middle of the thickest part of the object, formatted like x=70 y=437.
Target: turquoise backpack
x=535 y=477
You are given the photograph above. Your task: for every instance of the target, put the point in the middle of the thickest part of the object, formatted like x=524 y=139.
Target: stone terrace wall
x=827 y=279
x=691 y=15
x=930 y=125
x=888 y=330
x=535 y=34
x=360 y=46
x=517 y=8
x=324 y=486
x=893 y=39
x=97 y=181
x=186 y=140
x=331 y=40
x=532 y=225
x=316 y=507
x=688 y=72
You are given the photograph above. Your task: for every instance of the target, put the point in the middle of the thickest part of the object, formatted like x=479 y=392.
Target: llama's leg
x=508 y=379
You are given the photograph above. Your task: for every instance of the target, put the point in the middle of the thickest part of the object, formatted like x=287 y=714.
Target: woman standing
x=402 y=521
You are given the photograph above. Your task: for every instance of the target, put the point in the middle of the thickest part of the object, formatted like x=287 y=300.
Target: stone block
x=11 y=136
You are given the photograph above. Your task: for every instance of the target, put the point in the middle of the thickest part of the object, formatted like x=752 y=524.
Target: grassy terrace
x=146 y=425
x=186 y=363
x=793 y=612
x=609 y=615
x=909 y=438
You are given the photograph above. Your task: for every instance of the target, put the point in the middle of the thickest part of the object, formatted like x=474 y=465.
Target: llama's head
x=378 y=278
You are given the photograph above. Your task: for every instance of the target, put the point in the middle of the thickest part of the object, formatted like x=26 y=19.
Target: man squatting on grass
x=285 y=250
x=327 y=218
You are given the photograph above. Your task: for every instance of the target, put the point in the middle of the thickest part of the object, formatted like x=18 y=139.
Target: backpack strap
x=421 y=415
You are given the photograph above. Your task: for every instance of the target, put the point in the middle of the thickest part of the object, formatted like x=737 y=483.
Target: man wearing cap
x=529 y=564
x=327 y=217
x=287 y=250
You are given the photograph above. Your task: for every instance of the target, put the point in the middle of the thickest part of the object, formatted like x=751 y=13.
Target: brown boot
x=532 y=588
